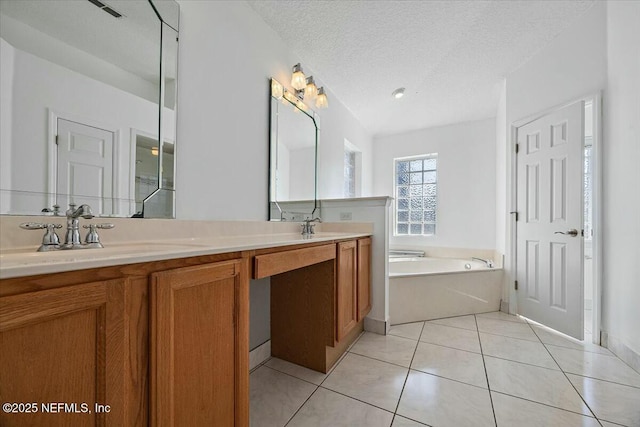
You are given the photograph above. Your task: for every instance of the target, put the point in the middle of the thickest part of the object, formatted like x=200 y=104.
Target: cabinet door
x=364 y=277
x=64 y=345
x=199 y=344
x=346 y=289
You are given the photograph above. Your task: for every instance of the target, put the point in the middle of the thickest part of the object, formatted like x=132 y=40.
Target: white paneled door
x=549 y=227
x=85 y=167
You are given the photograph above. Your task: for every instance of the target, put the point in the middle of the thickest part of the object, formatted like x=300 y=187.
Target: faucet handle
x=92 y=236
x=50 y=240
x=103 y=226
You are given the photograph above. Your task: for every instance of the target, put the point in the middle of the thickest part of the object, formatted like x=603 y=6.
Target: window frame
x=396 y=197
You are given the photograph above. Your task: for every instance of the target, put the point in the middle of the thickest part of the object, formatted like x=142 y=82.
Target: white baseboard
x=377 y=326
x=618 y=348
x=259 y=355
x=504 y=307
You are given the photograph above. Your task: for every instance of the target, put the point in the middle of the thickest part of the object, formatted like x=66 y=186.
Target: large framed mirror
x=293 y=157
x=88 y=108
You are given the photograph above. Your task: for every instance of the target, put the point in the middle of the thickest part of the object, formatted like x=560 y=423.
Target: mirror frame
x=173 y=26
x=281 y=94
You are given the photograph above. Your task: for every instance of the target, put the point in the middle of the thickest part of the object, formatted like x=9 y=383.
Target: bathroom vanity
x=160 y=336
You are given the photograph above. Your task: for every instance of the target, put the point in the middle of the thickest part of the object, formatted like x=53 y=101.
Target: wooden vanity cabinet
x=66 y=345
x=364 y=277
x=200 y=345
x=346 y=289
x=161 y=343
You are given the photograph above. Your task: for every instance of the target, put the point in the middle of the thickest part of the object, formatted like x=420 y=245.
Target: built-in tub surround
x=142 y=240
x=430 y=288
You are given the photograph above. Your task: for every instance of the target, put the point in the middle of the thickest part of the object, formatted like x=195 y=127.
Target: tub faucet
x=72 y=237
x=488 y=262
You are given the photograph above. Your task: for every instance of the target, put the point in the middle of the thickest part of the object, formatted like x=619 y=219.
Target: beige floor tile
x=533 y=353
x=549 y=336
x=399 y=421
x=464 y=322
x=511 y=411
x=275 y=397
x=328 y=409
x=506 y=328
x=451 y=363
x=611 y=402
x=387 y=348
x=371 y=381
x=533 y=383
x=595 y=366
x=441 y=402
x=498 y=315
x=407 y=330
x=448 y=336
x=297 y=371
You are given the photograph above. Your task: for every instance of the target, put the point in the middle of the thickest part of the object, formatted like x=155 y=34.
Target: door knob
x=573 y=232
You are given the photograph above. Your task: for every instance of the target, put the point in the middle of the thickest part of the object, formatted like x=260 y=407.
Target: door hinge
x=516 y=285
x=515 y=212
x=517 y=148
x=57 y=139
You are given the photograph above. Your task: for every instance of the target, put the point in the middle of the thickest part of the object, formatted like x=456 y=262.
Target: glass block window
x=349 y=173
x=415 y=183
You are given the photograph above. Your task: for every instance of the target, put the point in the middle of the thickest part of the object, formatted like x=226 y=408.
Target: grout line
x=508 y=336
x=380 y=360
x=446 y=346
x=291 y=375
x=486 y=374
x=543 y=404
x=301 y=406
x=565 y=375
x=448 y=379
x=408 y=372
x=604 y=381
x=355 y=398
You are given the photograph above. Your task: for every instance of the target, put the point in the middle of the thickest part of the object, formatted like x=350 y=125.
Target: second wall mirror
x=293 y=157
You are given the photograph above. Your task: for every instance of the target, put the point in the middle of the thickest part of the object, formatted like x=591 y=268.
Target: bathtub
x=432 y=288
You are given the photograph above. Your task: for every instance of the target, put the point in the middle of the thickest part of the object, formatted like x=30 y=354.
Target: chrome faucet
x=72 y=237
x=307 y=226
x=51 y=241
x=488 y=262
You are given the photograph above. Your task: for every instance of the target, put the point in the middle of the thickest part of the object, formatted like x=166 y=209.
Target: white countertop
x=27 y=262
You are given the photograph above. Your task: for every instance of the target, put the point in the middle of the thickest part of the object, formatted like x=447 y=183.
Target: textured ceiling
x=450 y=55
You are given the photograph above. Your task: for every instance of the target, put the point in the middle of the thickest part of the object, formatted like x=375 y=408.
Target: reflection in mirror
x=81 y=90
x=293 y=143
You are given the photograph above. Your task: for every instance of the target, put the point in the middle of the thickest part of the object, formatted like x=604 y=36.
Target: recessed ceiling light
x=398 y=93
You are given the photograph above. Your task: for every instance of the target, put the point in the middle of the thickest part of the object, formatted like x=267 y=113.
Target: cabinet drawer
x=280 y=262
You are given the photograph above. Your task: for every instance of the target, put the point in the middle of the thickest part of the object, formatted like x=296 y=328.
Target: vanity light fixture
x=298 y=79
x=154 y=151
x=310 y=90
x=306 y=88
x=321 y=100
x=277 y=90
x=398 y=93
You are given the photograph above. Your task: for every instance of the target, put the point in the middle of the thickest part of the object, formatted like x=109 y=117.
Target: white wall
x=466 y=181
x=571 y=66
x=6 y=102
x=621 y=285
x=227 y=55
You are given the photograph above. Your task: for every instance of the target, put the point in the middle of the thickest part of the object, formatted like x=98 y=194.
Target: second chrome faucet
x=72 y=240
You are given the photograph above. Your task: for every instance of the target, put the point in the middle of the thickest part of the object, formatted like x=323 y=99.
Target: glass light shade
x=321 y=100
x=298 y=79
x=311 y=90
x=277 y=91
x=154 y=151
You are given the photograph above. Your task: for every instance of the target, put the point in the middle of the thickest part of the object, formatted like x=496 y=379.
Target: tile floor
x=488 y=369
